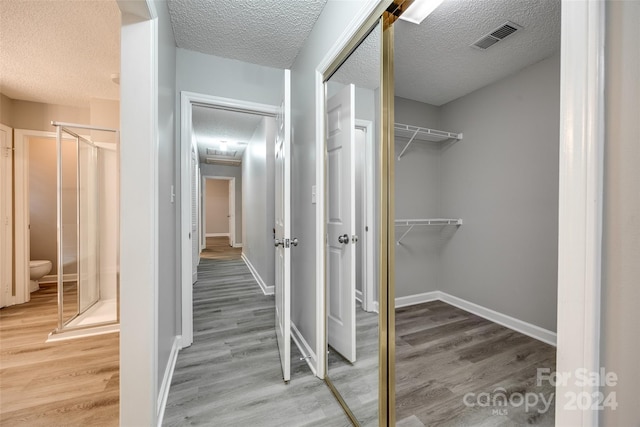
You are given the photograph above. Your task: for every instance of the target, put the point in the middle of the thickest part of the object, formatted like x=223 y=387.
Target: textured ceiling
x=59 y=52
x=265 y=32
x=435 y=64
x=363 y=66
x=210 y=126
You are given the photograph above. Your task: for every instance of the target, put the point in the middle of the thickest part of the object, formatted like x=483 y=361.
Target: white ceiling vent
x=227 y=153
x=500 y=33
x=222 y=161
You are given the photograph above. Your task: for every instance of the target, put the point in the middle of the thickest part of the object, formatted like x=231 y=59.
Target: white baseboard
x=53 y=278
x=359 y=296
x=166 y=380
x=517 y=325
x=237 y=245
x=417 y=299
x=267 y=290
x=216 y=234
x=305 y=348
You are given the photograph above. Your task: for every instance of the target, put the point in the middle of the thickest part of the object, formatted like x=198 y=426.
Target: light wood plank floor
x=66 y=383
x=231 y=375
x=443 y=353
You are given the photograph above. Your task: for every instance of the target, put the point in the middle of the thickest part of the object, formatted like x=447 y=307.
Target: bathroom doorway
x=69 y=237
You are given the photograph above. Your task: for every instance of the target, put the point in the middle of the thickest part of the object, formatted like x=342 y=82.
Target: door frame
x=22 y=253
x=231 y=188
x=187 y=141
x=368 y=218
x=9 y=261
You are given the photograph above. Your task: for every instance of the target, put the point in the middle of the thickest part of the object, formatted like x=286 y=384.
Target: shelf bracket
x=407 y=146
x=404 y=234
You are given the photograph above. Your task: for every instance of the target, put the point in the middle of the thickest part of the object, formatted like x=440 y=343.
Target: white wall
x=333 y=20
x=502 y=179
x=30 y=115
x=228 y=171
x=168 y=253
x=621 y=230
x=212 y=75
x=258 y=192
x=149 y=258
x=417 y=187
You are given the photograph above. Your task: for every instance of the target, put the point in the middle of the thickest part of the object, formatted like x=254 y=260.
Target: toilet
x=37 y=270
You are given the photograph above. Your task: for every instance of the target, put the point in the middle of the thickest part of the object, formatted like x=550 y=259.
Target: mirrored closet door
x=358 y=172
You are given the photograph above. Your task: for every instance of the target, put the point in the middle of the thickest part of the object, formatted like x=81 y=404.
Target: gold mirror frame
x=385 y=14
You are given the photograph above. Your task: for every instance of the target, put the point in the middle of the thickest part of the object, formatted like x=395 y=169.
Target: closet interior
x=476 y=202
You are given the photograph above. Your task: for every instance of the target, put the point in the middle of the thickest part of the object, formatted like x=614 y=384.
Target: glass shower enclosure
x=87 y=229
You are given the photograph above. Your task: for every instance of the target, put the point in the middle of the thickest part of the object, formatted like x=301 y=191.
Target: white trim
x=82 y=333
x=7 y=218
x=321 y=338
x=187 y=100
x=217 y=234
x=163 y=395
x=368 y=217
x=22 y=211
x=350 y=31
x=517 y=325
x=512 y=323
x=53 y=278
x=139 y=220
x=237 y=245
x=304 y=347
x=359 y=296
x=267 y=290
x=418 y=299
x=580 y=201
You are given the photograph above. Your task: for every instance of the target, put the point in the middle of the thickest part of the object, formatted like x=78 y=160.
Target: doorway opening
x=218 y=208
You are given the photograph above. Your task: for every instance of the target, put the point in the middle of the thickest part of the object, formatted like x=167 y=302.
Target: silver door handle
x=278 y=243
x=354 y=238
x=294 y=241
x=344 y=238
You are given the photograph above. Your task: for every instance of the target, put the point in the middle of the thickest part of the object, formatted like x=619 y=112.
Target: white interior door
x=341 y=257
x=283 y=229
x=6 y=215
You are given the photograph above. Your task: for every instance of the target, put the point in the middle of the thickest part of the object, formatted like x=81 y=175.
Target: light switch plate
x=313 y=194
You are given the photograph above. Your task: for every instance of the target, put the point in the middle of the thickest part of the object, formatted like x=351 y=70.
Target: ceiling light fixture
x=419 y=10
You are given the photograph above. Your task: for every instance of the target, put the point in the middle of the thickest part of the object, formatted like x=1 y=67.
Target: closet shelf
x=415 y=133
x=428 y=221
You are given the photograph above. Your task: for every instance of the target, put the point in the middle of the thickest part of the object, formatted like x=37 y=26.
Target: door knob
x=344 y=238
x=294 y=241
x=354 y=238
x=278 y=243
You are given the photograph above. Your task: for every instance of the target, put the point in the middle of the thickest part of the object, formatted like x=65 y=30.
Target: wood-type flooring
x=231 y=374
x=444 y=353
x=357 y=383
x=65 y=383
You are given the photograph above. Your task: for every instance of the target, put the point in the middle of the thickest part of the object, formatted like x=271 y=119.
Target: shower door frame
x=61 y=128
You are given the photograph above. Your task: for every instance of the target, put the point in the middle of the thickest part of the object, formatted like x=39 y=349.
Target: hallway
x=231 y=374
